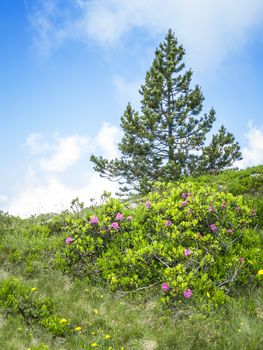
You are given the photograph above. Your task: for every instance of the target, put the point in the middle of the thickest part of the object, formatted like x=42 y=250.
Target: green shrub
x=248 y=182
x=18 y=298
x=193 y=240
x=8 y=223
x=28 y=246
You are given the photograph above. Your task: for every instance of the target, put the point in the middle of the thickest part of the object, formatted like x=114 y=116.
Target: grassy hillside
x=43 y=307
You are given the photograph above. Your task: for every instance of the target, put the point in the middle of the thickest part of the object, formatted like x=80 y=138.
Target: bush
x=248 y=182
x=18 y=298
x=194 y=241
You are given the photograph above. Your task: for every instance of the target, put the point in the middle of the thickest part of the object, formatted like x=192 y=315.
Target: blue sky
x=69 y=67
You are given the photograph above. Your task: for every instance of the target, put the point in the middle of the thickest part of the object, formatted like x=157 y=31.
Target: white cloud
x=67 y=152
x=209 y=30
x=49 y=183
x=253 y=151
x=107 y=140
x=37 y=143
x=52 y=195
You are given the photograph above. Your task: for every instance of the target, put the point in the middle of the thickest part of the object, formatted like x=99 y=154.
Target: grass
x=136 y=321
x=112 y=320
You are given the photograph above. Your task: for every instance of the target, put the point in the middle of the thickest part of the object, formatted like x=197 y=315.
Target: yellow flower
x=260 y=272
x=63 y=320
x=107 y=336
x=93 y=333
x=96 y=311
x=33 y=289
x=78 y=328
x=94 y=345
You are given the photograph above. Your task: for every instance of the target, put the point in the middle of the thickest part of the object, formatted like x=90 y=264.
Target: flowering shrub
x=190 y=250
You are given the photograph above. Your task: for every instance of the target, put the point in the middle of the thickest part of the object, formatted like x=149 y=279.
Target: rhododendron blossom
x=188 y=293
x=68 y=240
x=168 y=223
x=165 y=287
x=213 y=227
x=115 y=225
x=187 y=252
x=94 y=220
x=119 y=216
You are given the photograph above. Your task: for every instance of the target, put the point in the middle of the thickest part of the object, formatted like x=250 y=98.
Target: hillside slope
x=42 y=307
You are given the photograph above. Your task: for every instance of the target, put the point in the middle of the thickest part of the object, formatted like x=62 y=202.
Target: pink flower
x=68 y=240
x=94 y=220
x=211 y=209
x=165 y=287
x=242 y=260
x=188 y=293
x=229 y=231
x=115 y=225
x=129 y=218
x=187 y=252
x=148 y=204
x=168 y=223
x=184 y=195
x=184 y=204
x=213 y=227
x=119 y=216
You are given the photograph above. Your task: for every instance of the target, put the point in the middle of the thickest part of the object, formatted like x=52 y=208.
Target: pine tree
x=167 y=139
